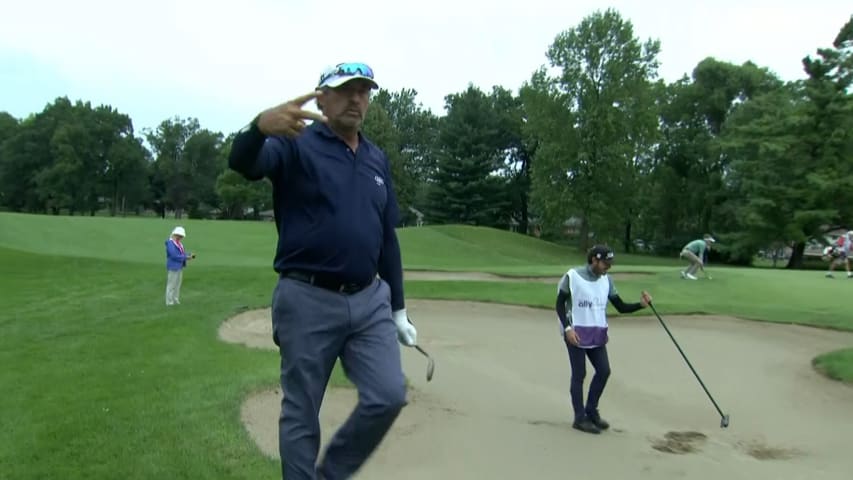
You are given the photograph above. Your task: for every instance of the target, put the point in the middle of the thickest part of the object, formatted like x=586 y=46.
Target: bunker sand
x=498 y=406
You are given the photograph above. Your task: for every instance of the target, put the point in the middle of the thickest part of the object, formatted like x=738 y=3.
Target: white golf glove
x=406 y=332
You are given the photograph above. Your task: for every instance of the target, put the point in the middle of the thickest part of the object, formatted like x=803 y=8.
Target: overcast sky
x=222 y=62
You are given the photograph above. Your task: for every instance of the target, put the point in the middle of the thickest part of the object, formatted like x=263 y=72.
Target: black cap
x=601 y=252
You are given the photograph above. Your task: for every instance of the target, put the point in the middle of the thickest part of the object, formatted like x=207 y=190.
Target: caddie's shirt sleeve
x=617 y=301
x=564 y=298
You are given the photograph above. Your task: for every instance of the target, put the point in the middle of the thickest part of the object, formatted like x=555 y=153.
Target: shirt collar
x=591 y=272
x=324 y=130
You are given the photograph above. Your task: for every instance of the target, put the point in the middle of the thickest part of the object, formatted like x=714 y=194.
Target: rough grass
x=102 y=381
x=837 y=364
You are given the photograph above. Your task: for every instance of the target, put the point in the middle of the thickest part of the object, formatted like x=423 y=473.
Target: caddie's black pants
x=601 y=364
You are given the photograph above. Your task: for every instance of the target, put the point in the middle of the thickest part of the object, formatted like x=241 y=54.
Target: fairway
x=106 y=382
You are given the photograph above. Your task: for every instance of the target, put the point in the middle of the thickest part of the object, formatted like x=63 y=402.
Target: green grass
x=135 y=239
x=100 y=380
x=837 y=364
x=767 y=295
x=139 y=240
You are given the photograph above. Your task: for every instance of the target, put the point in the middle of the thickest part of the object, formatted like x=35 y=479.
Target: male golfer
x=335 y=211
x=584 y=330
x=695 y=253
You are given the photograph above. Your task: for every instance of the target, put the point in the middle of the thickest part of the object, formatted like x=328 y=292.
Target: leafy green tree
x=8 y=128
x=471 y=148
x=125 y=177
x=550 y=126
x=203 y=166
x=379 y=128
x=236 y=194
x=515 y=152
x=27 y=152
x=793 y=149
x=411 y=132
x=768 y=178
x=187 y=163
x=689 y=172
x=598 y=108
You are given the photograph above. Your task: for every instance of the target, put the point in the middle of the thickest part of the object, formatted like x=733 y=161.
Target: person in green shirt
x=694 y=253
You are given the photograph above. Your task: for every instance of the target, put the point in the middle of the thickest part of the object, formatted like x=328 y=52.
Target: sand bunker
x=498 y=406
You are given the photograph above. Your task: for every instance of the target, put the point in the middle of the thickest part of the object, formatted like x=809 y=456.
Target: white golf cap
x=179 y=231
x=710 y=239
x=342 y=73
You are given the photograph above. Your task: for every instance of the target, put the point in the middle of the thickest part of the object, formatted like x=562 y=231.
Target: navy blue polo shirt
x=335 y=209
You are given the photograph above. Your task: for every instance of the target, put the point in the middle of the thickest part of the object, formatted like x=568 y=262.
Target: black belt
x=323 y=280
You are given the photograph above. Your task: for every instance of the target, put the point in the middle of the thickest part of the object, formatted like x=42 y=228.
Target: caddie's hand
x=288 y=119
x=645 y=299
x=406 y=332
x=572 y=337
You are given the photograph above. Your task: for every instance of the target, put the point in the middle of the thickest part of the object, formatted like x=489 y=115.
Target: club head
x=724 y=421
x=430 y=363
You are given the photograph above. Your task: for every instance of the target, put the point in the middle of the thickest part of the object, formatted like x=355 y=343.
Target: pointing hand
x=288 y=119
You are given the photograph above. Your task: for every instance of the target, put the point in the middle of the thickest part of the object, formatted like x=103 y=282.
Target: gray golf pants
x=174 y=279
x=313 y=328
x=695 y=261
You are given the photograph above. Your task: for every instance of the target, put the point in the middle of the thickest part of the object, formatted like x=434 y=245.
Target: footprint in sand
x=761 y=451
x=680 y=442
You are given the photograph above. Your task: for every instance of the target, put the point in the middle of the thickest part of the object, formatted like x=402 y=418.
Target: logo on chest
x=595 y=302
x=379 y=181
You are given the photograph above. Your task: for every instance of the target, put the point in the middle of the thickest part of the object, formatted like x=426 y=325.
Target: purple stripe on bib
x=591 y=336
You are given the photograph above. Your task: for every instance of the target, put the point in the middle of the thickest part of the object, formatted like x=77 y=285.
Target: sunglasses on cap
x=604 y=256
x=348 y=70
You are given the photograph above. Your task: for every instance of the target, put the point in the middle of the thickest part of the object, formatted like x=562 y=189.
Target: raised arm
x=623 y=307
x=261 y=147
x=251 y=155
x=620 y=304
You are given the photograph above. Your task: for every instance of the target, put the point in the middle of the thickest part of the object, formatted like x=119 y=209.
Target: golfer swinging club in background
x=584 y=330
x=335 y=211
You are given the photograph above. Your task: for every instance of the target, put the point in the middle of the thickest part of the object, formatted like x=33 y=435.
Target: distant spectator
x=176 y=261
x=841 y=254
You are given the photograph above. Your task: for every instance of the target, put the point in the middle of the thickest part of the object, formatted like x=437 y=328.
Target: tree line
x=592 y=147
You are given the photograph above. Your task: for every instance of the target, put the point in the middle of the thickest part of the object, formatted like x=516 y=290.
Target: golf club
x=430 y=363
x=724 y=419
